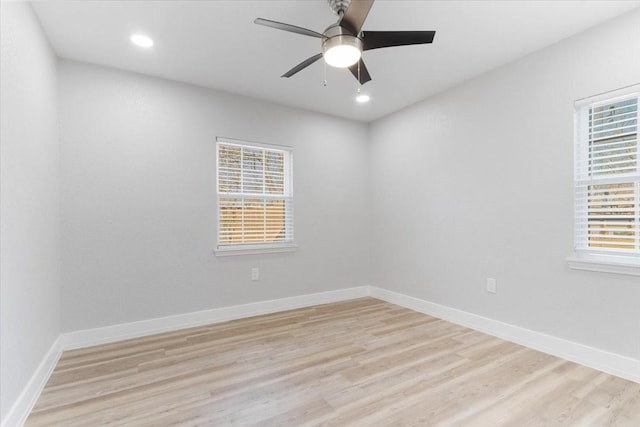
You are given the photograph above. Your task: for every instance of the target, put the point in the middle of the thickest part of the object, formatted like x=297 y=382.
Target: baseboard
x=107 y=334
x=614 y=364
x=18 y=413
x=611 y=363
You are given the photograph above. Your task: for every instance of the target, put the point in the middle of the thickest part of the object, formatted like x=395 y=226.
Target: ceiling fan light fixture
x=363 y=98
x=342 y=51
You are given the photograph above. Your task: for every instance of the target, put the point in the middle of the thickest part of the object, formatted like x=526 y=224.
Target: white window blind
x=607 y=175
x=255 y=194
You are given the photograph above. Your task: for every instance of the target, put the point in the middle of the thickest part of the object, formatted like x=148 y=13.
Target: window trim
x=251 y=248
x=604 y=264
x=594 y=259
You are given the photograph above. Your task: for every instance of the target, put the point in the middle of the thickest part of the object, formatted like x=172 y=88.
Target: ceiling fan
x=344 y=42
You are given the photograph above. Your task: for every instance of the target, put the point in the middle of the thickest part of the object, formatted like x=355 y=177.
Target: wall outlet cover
x=491 y=285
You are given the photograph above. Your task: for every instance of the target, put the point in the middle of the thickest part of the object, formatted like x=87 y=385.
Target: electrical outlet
x=491 y=285
x=255 y=273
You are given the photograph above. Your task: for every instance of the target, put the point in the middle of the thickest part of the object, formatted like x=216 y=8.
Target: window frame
x=595 y=258
x=288 y=245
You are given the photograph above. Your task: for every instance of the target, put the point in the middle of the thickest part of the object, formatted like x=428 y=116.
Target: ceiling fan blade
x=301 y=66
x=379 y=39
x=364 y=73
x=287 y=27
x=355 y=15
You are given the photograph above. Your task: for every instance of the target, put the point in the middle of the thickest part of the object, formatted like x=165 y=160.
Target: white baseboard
x=107 y=334
x=611 y=363
x=18 y=413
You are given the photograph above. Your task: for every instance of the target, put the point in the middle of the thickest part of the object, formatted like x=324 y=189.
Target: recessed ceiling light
x=362 y=98
x=141 y=40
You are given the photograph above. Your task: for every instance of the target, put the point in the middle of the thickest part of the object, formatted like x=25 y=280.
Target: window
x=607 y=181
x=255 y=198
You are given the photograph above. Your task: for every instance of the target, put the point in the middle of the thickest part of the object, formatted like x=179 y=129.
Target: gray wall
x=138 y=199
x=29 y=202
x=477 y=182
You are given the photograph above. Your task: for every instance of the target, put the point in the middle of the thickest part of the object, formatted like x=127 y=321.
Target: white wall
x=29 y=216
x=138 y=199
x=477 y=182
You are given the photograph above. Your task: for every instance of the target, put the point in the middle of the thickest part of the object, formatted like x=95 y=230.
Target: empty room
x=320 y=213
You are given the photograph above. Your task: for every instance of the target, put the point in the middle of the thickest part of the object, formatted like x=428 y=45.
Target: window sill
x=605 y=264
x=254 y=249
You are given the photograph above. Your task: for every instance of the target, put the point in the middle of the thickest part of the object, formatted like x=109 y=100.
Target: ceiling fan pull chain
x=359 y=85
x=324 y=82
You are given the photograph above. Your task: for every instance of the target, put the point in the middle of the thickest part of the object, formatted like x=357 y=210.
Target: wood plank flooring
x=362 y=362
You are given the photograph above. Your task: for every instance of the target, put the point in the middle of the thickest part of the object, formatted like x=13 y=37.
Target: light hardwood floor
x=362 y=362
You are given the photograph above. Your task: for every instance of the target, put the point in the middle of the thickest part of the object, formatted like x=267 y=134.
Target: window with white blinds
x=607 y=175
x=255 y=195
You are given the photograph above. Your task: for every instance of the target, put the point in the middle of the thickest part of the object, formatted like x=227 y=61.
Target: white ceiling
x=216 y=44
